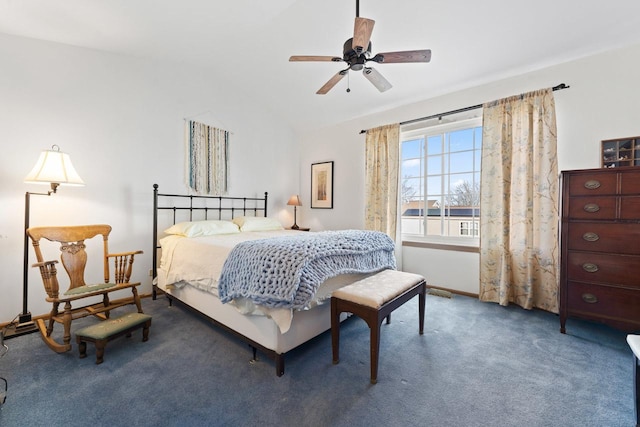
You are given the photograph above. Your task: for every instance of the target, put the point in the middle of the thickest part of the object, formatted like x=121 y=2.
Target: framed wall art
x=322 y=185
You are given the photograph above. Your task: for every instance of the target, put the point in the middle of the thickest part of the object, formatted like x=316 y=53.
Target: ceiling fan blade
x=405 y=56
x=332 y=82
x=315 y=58
x=376 y=78
x=362 y=30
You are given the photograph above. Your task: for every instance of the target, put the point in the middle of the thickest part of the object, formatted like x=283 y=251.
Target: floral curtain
x=207 y=158
x=381 y=179
x=519 y=202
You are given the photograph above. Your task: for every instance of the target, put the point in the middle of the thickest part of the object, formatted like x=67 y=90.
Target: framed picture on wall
x=322 y=185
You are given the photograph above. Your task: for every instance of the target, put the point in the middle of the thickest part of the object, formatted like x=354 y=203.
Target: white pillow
x=255 y=223
x=202 y=228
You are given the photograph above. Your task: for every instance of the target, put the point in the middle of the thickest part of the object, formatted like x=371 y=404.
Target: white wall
x=121 y=121
x=603 y=102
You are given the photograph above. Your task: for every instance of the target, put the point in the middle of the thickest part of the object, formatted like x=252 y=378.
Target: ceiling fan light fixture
x=376 y=79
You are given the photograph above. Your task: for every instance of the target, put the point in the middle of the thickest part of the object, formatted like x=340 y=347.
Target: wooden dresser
x=600 y=243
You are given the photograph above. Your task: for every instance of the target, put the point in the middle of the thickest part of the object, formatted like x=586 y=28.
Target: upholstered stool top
x=109 y=327
x=374 y=291
x=634 y=343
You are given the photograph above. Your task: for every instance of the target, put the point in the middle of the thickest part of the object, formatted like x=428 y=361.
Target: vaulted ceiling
x=248 y=43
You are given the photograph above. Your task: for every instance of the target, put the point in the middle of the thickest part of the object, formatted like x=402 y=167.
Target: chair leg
x=67 y=324
x=106 y=302
x=54 y=313
x=136 y=299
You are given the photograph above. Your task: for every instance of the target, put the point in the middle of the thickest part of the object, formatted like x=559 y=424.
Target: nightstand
x=299 y=229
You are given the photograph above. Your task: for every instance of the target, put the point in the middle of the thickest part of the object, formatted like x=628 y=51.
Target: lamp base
x=294 y=227
x=24 y=326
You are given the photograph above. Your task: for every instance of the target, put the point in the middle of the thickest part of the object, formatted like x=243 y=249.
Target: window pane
x=434 y=165
x=434 y=185
x=411 y=168
x=434 y=145
x=461 y=140
x=478 y=135
x=412 y=148
x=461 y=162
x=413 y=188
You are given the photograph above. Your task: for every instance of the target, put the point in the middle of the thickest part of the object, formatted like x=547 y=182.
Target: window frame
x=425 y=131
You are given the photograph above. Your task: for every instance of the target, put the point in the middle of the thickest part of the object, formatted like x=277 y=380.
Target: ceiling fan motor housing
x=356 y=62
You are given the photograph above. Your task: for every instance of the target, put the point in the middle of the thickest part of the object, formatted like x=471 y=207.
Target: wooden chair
x=74 y=260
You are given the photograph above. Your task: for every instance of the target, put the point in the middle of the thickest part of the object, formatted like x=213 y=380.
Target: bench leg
x=82 y=346
x=145 y=330
x=421 y=305
x=335 y=331
x=375 y=349
x=100 y=345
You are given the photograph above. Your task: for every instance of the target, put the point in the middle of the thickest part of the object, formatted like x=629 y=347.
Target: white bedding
x=198 y=262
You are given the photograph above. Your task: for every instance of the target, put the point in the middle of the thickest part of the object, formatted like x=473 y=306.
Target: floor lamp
x=53 y=167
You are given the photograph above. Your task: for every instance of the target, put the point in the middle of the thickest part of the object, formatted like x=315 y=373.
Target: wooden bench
x=107 y=330
x=373 y=299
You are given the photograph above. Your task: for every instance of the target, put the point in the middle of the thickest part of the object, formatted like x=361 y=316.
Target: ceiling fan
x=356 y=52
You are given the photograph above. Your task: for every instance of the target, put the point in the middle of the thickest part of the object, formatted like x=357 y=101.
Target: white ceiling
x=248 y=42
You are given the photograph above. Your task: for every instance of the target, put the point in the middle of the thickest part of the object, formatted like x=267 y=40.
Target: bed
x=188 y=268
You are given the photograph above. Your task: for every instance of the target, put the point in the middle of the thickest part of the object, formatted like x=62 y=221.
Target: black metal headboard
x=187 y=207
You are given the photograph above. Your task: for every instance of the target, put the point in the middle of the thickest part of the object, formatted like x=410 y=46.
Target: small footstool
x=107 y=330
x=634 y=343
x=372 y=299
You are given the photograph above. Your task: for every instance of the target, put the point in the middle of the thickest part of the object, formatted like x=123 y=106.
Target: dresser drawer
x=604 y=237
x=592 y=183
x=592 y=207
x=603 y=301
x=630 y=182
x=630 y=207
x=596 y=267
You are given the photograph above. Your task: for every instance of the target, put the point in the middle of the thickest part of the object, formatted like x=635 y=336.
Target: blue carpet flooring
x=478 y=364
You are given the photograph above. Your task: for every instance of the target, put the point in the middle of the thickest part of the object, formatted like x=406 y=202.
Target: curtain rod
x=462 y=110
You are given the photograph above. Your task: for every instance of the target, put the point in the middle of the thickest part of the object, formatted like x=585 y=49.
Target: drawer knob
x=590 y=237
x=591 y=207
x=589 y=298
x=589 y=267
x=592 y=184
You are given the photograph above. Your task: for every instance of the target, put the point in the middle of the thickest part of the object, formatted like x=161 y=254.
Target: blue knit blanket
x=285 y=272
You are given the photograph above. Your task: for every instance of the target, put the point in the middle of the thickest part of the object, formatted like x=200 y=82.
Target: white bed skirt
x=306 y=324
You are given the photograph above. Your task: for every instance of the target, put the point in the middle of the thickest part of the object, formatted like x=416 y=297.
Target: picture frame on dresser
x=322 y=185
x=620 y=152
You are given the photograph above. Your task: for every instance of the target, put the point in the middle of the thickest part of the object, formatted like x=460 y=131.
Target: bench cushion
x=378 y=289
x=110 y=327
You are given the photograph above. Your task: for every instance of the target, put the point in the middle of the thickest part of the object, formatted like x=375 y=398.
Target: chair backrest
x=72 y=247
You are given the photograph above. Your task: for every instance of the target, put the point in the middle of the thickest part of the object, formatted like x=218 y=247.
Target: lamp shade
x=54 y=167
x=294 y=201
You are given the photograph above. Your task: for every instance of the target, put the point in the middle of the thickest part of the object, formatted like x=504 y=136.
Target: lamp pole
x=25 y=323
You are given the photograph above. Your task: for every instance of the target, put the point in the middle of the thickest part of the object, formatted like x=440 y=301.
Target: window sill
x=456 y=245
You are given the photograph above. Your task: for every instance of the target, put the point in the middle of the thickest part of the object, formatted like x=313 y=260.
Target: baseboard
x=46 y=316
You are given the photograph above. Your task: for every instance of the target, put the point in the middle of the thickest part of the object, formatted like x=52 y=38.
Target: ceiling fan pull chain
x=348 y=82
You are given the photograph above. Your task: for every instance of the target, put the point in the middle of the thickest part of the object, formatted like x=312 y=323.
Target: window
x=440 y=184
x=469 y=228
